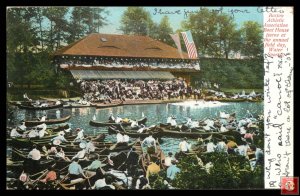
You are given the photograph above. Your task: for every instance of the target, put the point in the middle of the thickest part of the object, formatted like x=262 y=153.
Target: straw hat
x=56 y=142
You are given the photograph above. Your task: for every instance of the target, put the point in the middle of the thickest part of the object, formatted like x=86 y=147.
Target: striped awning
x=105 y=75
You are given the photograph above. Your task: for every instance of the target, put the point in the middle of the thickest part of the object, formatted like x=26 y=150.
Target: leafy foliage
x=232 y=73
x=164 y=31
x=252 y=35
x=34 y=33
x=216 y=35
x=157 y=180
x=228 y=172
x=137 y=21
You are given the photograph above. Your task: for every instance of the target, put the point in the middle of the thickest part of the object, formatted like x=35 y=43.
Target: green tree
x=93 y=19
x=229 y=37
x=203 y=26
x=76 y=28
x=164 y=31
x=57 y=32
x=214 y=33
x=21 y=43
x=38 y=22
x=85 y=20
x=136 y=21
x=252 y=36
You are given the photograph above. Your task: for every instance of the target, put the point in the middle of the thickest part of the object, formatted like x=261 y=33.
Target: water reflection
x=156 y=113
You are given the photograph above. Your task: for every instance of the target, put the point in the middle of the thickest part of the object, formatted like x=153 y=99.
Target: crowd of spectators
x=108 y=90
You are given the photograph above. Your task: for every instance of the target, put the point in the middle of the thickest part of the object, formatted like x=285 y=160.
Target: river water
x=156 y=113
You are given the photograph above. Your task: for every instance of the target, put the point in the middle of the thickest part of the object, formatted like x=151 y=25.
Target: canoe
x=230 y=134
x=67 y=146
x=158 y=155
x=30 y=107
x=159 y=132
x=21 y=155
x=104 y=124
x=77 y=105
x=107 y=105
x=61 y=99
x=27 y=143
x=49 y=129
x=133 y=133
x=48 y=122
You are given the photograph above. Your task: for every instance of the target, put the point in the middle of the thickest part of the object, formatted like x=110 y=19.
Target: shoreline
x=141 y=102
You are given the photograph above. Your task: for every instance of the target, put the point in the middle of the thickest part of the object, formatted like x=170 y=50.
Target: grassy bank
x=16 y=94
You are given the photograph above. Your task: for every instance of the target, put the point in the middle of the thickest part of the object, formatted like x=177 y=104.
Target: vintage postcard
x=196 y=98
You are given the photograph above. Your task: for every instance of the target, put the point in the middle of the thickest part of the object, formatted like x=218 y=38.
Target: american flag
x=176 y=39
x=190 y=45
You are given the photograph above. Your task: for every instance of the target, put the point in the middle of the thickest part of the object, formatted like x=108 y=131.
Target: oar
x=37 y=180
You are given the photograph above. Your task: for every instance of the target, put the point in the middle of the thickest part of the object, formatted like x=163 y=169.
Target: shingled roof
x=120 y=46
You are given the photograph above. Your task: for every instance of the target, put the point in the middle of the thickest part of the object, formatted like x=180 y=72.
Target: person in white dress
x=14 y=133
x=184 y=146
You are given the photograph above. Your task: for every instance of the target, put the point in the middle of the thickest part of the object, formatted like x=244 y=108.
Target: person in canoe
x=34 y=156
x=172 y=171
x=23 y=126
x=75 y=170
x=90 y=147
x=26 y=97
x=118 y=119
x=184 y=146
x=81 y=155
x=122 y=139
x=14 y=133
x=134 y=124
x=111 y=118
x=169 y=119
x=43 y=118
x=150 y=143
x=132 y=161
x=61 y=154
x=42 y=130
x=169 y=159
x=80 y=135
x=96 y=164
x=59 y=138
x=173 y=122
x=34 y=133
x=50 y=176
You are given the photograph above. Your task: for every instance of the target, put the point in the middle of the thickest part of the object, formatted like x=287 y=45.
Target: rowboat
x=104 y=124
x=31 y=107
x=48 y=122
